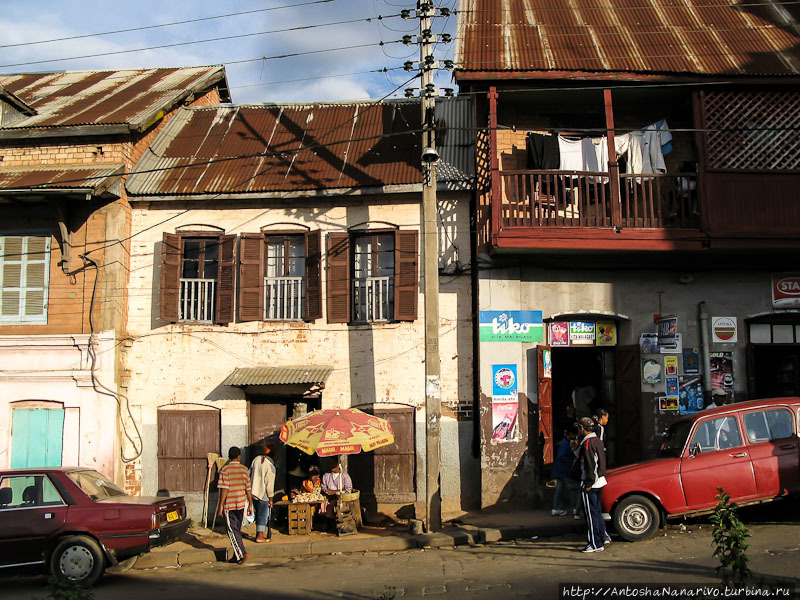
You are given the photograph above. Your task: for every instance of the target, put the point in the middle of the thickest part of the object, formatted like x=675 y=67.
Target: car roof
x=738 y=406
x=34 y=470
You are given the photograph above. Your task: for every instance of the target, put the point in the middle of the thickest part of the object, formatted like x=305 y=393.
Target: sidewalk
x=201 y=545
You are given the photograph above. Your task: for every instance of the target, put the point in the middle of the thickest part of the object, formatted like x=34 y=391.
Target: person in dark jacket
x=592 y=456
x=600 y=417
x=562 y=473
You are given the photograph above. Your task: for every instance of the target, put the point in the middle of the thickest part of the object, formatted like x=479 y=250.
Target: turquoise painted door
x=37 y=435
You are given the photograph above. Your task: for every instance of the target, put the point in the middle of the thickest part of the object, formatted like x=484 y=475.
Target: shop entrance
x=578 y=377
x=775 y=370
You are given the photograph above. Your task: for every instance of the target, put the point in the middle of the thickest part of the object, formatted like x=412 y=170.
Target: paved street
x=529 y=568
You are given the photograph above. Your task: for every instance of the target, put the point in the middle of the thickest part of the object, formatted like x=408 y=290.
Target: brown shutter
x=338 y=275
x=251 y=277
x=313 y=276
x=405 y=275
x=225 y=281
x=170 y=276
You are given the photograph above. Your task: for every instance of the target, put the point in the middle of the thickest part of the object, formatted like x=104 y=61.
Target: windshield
x=95 y=485
x=676 y=438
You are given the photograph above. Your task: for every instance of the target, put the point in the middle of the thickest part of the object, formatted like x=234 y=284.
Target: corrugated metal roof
x=294 y=147
x=278 y=375
x=94 y=178
x=707 y=37
x=126 y=97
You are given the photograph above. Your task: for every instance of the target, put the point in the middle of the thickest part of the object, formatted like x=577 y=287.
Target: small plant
x=388 y=593
x=66 y=589
x=730 y=539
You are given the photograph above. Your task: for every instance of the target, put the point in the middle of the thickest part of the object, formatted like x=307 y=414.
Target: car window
x=765 y=425
x=28 y=491
x=676 y=438
x=717 y=434
x=95 y=485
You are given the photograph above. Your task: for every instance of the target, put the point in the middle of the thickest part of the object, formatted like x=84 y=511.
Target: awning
x=278 y=375
x=90 y=180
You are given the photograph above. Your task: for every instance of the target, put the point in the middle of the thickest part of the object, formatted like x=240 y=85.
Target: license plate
x=172 y=516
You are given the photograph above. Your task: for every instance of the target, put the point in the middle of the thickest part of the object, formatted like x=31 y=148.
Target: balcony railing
x=283 y=298
x=584 y=199
x=372 y=299
x=197 y=300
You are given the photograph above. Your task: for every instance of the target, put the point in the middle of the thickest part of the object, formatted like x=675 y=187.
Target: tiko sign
x=785 y=290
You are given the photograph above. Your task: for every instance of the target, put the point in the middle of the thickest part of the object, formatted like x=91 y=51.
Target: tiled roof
x=132 y=97
x=702 y=37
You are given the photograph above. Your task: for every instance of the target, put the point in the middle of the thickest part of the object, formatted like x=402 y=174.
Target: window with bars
x=24 y=278
x=284 y=283
x=373 y=277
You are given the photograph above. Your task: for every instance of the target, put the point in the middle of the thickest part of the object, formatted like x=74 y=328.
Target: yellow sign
x=606 y=333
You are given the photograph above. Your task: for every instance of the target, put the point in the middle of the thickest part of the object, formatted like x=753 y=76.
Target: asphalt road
x=529 y=568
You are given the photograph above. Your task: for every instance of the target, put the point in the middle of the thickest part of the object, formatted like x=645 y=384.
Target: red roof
x=703 y=37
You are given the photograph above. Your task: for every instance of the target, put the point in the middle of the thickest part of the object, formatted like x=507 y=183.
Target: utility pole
x=430 y=236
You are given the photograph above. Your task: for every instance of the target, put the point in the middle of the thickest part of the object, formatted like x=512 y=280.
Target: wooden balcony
x=581 y=210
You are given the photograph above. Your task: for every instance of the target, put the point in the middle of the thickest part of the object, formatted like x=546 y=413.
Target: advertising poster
x=671 y=384
x=668 y=403
x=667 y=332
x=581 y=333
x=547 y=364
x=721 y=371
x=504 y=403
x=690 y=397
x=606 y=333
x=724 y=330
x=786 y=290
x=559 y=334
x=670 y=365
x=651 y=371
x=691 y=361
x=648 y=343
x=675 y=347
x=510 y=326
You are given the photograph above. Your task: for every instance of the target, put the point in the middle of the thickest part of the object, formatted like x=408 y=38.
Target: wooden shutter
x=338 y=275
x=251 y=277
x=170 y=276
x=405 y=275
x=313 y=276
x=225 y=281
x=545 y=408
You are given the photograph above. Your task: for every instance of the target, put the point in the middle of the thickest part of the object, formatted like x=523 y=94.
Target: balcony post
x=613 y=166
x=496 y=194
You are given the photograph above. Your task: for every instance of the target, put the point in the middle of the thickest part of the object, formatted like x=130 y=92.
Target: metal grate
x=197 y=300
x=753 y=130
x=283 y=298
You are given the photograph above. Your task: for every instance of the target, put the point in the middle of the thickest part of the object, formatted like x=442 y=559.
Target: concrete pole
x=430 y=237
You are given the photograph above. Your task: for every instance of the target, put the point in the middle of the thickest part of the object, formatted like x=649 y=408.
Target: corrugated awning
x=87 y=179
x=278 y=375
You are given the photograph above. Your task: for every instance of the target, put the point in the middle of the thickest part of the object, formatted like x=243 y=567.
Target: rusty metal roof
x=278 y=375
x=97 y=179
x=703 y=37
x=289 y=148
x=130 y=97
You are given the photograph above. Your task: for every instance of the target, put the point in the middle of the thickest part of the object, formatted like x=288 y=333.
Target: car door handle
x=788 y=446
x=740 y=455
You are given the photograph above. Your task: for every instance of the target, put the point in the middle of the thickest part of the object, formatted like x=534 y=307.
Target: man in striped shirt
x=234 y=485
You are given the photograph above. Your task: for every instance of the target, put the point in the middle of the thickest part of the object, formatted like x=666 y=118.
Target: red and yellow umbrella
x=337 y=431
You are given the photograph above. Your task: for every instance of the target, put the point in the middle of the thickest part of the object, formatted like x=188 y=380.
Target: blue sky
x=250 y=80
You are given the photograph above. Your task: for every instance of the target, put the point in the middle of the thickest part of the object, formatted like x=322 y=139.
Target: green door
x=36 y=437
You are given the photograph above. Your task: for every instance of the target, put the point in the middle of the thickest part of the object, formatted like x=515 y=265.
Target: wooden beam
x=496 y=189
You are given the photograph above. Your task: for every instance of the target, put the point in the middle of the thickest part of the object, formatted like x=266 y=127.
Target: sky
x=334 y=74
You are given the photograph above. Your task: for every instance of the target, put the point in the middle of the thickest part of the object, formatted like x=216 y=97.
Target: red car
x=748 y=448
x=76 y=523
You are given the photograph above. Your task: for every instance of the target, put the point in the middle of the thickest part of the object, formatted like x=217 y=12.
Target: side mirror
x=694 y=450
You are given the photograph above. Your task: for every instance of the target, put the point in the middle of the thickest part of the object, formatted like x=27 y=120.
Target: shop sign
x=581 y=333
x=667 y=332
x=786 y=290
x=559 y=334
x=505 y=405
x=606 y=333
x=511 y=326
x=723 y=330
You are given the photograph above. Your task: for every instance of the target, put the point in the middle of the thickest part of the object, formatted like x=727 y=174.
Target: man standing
x=234 y=485
x=262 y=473
x=600 y=417
x=592 y=458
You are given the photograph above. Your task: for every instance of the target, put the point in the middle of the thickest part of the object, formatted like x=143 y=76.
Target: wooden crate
x=299 y=519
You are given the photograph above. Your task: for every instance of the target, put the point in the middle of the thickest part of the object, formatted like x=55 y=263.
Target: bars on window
x=197 y=300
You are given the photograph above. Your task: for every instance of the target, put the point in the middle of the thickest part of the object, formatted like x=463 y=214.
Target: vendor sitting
x=333 y=485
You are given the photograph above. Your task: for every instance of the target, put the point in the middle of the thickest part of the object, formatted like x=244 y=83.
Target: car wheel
x=77 y=559
x=123 y=565
x=636 y=518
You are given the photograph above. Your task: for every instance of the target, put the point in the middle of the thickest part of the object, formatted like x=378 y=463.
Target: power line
x=146 y=27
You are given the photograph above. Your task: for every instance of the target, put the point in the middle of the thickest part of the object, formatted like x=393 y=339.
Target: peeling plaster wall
x=505 y=472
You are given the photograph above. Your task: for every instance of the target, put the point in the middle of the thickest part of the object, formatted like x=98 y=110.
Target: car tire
x=636 y=518
x=123 y=565
x=79 y=559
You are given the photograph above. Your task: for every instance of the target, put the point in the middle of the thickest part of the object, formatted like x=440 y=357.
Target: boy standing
x=593 y=478
x=234 y=485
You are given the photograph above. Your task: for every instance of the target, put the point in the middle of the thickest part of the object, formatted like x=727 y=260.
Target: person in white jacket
x=262 y=475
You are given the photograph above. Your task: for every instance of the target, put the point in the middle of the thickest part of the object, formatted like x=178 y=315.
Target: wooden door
x=185 y=438
x=265 y=419
x=629 y=405
x=544 y=374
x=37 y=437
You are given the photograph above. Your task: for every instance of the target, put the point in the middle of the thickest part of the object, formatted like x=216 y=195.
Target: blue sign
x=510 y=326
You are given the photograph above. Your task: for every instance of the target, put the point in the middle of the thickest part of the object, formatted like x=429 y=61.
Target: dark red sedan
x=76 y=523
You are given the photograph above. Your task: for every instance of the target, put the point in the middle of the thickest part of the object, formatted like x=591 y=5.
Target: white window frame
x=21 y=318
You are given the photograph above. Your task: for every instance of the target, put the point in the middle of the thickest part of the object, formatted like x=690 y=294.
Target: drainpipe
x=705 y=352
